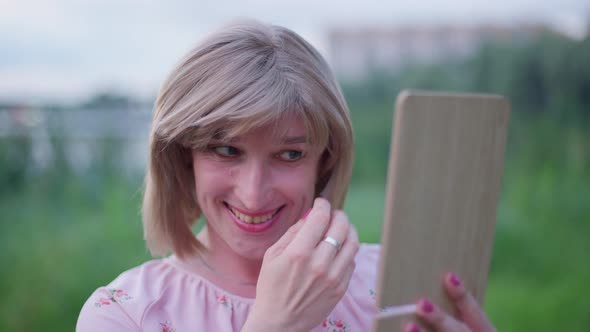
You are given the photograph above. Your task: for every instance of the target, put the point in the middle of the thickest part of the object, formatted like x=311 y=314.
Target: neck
x=225 y=263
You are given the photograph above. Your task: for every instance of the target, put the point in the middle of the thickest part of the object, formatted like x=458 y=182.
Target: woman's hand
x=303 y=277
x=470 y=315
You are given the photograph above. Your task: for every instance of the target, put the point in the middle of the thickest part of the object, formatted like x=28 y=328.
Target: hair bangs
x=264 y=104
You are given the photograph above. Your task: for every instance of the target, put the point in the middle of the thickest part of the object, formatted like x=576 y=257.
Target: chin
x=254 y=246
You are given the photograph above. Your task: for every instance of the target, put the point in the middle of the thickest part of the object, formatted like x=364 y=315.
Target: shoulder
x=122 y=303
x=163 y=295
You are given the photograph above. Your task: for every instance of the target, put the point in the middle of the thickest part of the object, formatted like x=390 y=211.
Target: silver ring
x=332 y=241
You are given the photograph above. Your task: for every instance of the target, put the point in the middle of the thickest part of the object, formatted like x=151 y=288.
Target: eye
x=226 y=151
x=291 y=155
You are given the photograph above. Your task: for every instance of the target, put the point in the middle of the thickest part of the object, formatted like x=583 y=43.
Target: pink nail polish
x=306 y=214
x=455 y=280
x=426 y=306
x=414 y=328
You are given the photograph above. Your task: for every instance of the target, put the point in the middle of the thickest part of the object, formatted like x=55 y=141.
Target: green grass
x=63 y=236
x=57 y=255
x=58 y=249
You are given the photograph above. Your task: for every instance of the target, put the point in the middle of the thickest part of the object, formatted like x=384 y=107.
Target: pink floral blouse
x=162 y=295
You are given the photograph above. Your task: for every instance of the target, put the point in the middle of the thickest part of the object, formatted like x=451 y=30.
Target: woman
x=251 y=131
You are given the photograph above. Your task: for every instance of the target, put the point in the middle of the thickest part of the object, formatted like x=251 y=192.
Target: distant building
x=356 y=52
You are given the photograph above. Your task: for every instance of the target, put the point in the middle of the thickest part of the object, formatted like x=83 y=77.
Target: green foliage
x=108 y=100
x=65 y=233
x=539 y=272
x=550 y=75
x=58 y=245
x=15 y=158
x=539 y=266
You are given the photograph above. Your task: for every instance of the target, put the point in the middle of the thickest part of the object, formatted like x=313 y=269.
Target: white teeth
x=252 y=220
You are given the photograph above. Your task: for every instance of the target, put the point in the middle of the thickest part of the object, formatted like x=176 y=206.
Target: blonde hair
x=242 y=77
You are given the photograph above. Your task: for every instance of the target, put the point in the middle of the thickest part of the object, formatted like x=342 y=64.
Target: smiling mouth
x=250 y=219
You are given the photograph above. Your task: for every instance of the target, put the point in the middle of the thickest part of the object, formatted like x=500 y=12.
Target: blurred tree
x=15 y=162
x=549 y=75
x=108 y=100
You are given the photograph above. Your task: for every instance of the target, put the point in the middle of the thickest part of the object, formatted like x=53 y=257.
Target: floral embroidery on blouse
x=334 y=325
x=373 y=294
x=116 y=296
x=221 y=299
x=167 y=326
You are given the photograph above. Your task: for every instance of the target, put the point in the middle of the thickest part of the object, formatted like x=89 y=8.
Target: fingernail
x=426 y=306
x=414 y=328
x=455 y=280
x=306 y=214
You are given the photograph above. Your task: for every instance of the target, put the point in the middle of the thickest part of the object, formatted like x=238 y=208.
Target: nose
x=253 y=184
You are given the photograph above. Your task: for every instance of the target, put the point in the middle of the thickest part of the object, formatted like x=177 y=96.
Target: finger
x=343 y=265
x=469 y=310
x=336 y=276
x=347 y=275
x=439 y=320
x=289 y=235
x=304 y=216
x=284 y=240
x=411 y=327
x=338 y=230
x=314 y=227
x=293 y=230
x=349 y=250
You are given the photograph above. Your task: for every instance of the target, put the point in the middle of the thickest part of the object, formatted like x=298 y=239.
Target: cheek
x=296 y=182
x=209 y=177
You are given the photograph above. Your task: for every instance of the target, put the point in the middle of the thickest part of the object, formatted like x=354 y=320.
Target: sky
x=66 y=50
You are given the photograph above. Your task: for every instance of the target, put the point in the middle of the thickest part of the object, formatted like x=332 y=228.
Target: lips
x=253 y=222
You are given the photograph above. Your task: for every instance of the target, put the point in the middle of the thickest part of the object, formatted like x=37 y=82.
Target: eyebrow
x=286 y=140
x=293 y=139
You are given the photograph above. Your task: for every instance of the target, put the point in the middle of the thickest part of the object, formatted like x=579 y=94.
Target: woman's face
x=252 y=189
